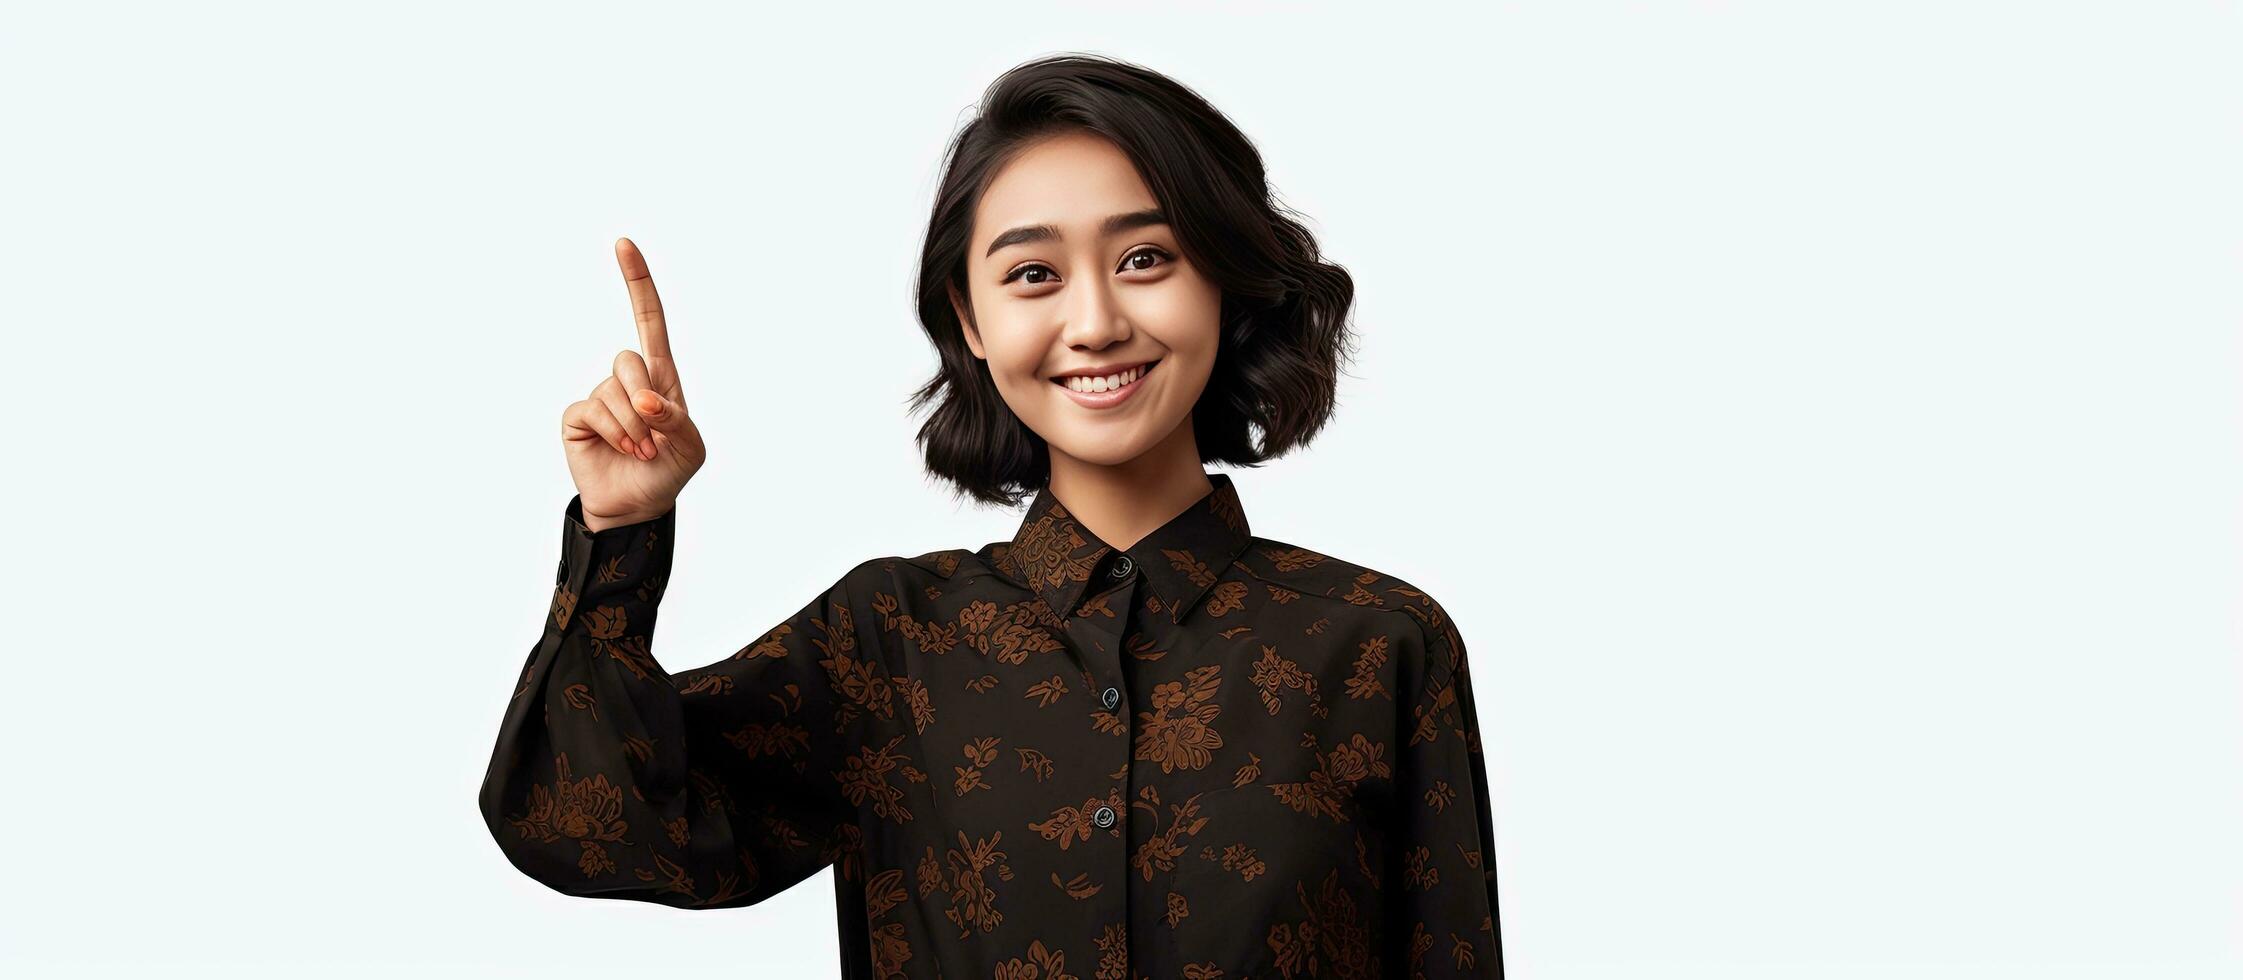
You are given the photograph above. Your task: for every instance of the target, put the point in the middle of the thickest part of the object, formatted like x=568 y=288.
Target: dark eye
x=1026 y=269
x=1143 y=253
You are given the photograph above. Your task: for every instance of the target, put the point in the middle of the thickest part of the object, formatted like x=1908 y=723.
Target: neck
x=1123 y=502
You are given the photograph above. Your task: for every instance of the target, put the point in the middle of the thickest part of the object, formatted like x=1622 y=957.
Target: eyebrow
x=1114 y=225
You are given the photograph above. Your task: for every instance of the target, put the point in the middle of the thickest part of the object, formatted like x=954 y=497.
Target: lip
x=1108 y=399
x=1100 y=372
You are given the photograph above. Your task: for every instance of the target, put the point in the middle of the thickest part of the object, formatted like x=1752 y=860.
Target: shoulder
x=890 y=572
x=1357 y=589
x=959 y=566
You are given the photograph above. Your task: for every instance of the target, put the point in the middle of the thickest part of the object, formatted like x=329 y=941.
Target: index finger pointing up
x=646 y=304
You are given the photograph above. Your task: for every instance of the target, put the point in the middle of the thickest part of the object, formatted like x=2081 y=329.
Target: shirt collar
x=1056 y=556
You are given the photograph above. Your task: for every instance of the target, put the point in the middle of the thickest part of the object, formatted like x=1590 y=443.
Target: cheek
x=1176 y=303
x=1167 y=308
x=1015 y=351
x=1184 y=314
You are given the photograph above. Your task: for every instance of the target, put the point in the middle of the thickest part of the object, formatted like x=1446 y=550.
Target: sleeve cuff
x=625 y=563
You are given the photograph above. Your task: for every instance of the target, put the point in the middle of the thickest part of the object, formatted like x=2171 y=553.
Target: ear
x=966 y=321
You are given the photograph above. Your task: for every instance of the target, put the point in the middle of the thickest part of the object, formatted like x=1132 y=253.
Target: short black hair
x=1284 y=309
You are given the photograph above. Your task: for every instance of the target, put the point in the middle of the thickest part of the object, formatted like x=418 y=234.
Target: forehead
x=1073 y=181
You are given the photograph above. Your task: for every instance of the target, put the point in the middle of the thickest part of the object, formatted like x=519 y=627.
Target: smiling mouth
x=1141 y=372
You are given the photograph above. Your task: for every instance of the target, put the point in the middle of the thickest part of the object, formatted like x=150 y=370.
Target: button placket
x=1118 y=569
x=1096 y=640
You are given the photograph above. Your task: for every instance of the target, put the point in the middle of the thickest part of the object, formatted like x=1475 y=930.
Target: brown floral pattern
x=1208 y=755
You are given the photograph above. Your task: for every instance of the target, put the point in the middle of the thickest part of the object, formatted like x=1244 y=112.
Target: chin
x=1102 y=452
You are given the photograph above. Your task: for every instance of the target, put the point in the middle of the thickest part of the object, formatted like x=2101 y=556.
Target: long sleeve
x=1441 y=880
x=714 y=788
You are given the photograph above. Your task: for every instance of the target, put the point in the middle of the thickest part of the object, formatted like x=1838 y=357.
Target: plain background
x=1820 y=419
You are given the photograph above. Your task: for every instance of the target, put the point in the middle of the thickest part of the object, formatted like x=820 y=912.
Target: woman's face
x=1085 y=276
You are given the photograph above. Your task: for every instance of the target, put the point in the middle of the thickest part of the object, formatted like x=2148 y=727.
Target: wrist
x=596 y=523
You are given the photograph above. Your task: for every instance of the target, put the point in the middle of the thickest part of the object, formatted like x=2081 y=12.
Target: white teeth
x=1107 y=383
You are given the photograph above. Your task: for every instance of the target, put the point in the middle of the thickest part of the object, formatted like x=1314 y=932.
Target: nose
x=1094 y=316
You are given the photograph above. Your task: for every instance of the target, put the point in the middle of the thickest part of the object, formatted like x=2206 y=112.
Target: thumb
x=659 y=412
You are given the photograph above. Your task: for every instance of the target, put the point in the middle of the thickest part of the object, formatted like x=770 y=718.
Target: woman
x=1134 y=740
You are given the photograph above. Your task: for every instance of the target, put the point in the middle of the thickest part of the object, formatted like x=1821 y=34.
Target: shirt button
x=1110 y=697
x=1104 y=817
x=1122 y=565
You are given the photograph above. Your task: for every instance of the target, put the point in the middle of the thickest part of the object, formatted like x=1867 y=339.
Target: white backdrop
x=1822 y=420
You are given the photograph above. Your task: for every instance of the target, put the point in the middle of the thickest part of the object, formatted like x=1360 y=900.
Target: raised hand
x=630 y=445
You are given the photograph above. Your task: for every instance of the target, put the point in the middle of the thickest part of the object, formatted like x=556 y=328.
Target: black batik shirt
x=1208 y=755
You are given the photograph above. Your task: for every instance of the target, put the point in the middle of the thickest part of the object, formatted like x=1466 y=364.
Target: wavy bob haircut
x=1284 y=309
